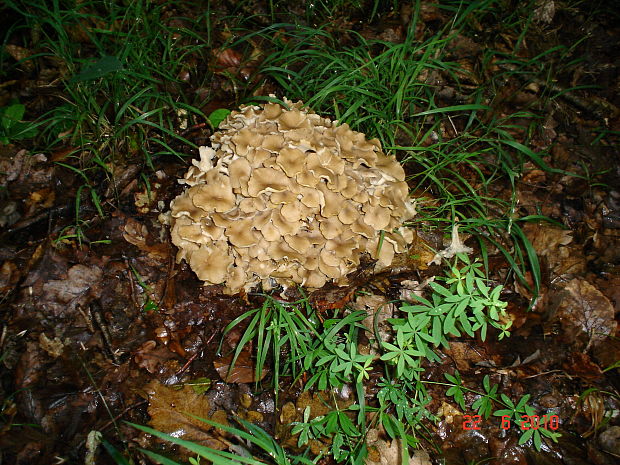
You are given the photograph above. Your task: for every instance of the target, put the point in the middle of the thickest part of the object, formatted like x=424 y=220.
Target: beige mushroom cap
x=390 y=166
x=186 y=246
x=348 y=213
x=183 y=205
x=343 y=248
x=236 y=280
x=225 y=220
x=239 y=170
x=312 y=198
x=241 y=234
x=262 y=268
x=292 y=119
x=260 y=251
x=285 y=196
x=245 y=139
x=299 y=243
x=280 y=251
x=292 y=161
x=270 y=232
x=284 y=226
x=216 y=196
x=281 y=198
x=273 y=142
x=211 y=262
x=249 y=205
x=307 y=179
x=333 y=202
x=272 y=110
x=378 y=217
x=312 y=279
x=267 y=180
x=293 y=212
x=329 y=271
x=384 y=253
x=331 y=227
x=210 y=229
x=360 y=227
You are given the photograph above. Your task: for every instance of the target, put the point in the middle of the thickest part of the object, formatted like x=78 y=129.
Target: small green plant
x=118 y=457
x=328 y=354
x=333 y=358
x=326 y=351
x=336 y=425
x=149 y=304
x=402 y=408
x=12 y=128
x=524 y=416
x=466 y=304
x=217 y=116
x=484 y=404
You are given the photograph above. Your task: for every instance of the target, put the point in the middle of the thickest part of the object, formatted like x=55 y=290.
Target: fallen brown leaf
x=137 y=234
x=170 y=410
x=243 y=371
x=581 y=365
x=584 y=313
x=149 y=357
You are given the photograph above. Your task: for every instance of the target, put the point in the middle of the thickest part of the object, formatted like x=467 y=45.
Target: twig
x=193 y=357
x=117 y=417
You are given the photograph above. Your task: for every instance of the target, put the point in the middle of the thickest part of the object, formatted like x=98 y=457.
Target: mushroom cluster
x=285 y=196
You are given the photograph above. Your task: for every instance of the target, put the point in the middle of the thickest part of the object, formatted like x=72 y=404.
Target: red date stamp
x=527 y=422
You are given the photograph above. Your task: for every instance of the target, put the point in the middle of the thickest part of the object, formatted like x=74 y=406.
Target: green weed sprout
x=12 y=128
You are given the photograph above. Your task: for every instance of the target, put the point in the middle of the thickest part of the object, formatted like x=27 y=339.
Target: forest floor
x=99 y=326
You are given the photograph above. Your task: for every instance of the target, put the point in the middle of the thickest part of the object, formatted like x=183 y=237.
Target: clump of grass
x=255 y=436
x=277 y=326
x=374 y=86
x=120 y=99
x=119 y=70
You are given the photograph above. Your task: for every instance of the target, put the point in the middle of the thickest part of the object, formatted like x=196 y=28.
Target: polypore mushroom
x=286 y=196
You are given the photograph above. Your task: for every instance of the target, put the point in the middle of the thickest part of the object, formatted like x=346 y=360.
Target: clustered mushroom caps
x=285 y=195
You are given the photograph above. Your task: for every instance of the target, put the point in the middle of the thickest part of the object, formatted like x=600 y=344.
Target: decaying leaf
x=381 y=452
x=9 y=277
x=170 y=408
x=137 y=234
x=64 y=294
x=11 y=166
x=584 y=313
x=546 y=238
x=149 y=357
x=466 y=355
x=556 y=245
x=54 y=347
x=243 y=371
x=43 y=198
x=581 y=366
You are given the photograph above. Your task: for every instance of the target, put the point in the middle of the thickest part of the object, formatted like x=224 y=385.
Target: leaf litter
x=95 y=333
